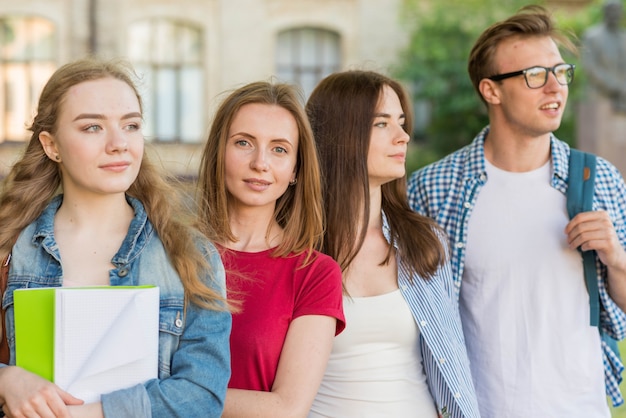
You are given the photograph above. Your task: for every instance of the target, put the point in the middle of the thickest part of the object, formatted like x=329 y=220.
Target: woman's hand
x=24 y=394
x=92 y=410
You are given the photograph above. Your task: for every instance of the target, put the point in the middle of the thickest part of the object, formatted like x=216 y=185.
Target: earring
x=56 y=157
x=293 y=182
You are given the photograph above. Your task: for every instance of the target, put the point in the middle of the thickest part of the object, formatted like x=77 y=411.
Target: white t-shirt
x=525 y=307
x=375 y=369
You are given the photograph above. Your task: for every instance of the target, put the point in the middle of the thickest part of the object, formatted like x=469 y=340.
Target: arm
x=25 y=394
x=595 y=231
x=300 y=370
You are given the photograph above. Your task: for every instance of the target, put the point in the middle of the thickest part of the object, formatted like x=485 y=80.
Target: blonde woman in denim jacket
x=114 y=223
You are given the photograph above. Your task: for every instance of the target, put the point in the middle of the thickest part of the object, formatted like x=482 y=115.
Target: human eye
x=380 y=124
x=241 y=142
x=92 y=128
x=280 y=150
x=564 y=71
x=134 y=126
x=535 y=75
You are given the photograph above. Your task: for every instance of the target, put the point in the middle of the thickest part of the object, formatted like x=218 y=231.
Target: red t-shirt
x=274 y=291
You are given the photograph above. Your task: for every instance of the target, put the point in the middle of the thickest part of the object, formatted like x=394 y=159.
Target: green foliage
x=434 y=65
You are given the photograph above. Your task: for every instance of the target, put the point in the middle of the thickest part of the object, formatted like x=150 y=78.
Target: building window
x=28 y=45
x=167 y=55
x=306 y=55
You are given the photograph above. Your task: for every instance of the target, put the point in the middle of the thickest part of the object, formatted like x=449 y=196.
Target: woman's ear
x=49 y=146
x=490 y=90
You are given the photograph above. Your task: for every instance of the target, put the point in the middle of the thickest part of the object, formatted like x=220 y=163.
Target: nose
x=552 y=84
x=259 y=161
x=117 y=141
x=402 y=136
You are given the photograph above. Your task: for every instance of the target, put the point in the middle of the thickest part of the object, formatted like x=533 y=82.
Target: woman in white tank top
x=402 y=353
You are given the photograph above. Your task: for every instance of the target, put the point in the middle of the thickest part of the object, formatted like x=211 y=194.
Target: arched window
x=306 y=55
x=28 y=45
x=167 y=54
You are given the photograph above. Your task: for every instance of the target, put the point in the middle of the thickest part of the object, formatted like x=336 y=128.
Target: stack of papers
x=88 y=341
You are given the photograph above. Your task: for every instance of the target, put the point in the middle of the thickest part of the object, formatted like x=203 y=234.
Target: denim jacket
x=193 y=342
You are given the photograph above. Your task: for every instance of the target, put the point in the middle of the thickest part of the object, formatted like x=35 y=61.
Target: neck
x=255 y=230
x=516 y=153
x=102 y=212
x=376 y=201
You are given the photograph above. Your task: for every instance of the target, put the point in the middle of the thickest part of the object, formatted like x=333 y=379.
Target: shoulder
x=204 y=245
x=441 y=169
x=609 y=179
x=317 y=269
x=466 y=161
x=318 y=261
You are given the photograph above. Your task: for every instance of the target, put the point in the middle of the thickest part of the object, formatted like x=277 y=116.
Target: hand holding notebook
x=88 y=341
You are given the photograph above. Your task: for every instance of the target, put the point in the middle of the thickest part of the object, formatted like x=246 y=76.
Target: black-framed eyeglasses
x=537 y=76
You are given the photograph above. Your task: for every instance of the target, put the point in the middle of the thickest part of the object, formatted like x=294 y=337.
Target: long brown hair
x=34 y=179
x=341 y=111
x=298 y=211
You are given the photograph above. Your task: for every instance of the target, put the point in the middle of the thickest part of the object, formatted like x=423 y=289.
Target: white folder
x=105 y=339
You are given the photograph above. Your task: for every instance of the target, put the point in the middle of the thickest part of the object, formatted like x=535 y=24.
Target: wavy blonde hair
x=34 y=179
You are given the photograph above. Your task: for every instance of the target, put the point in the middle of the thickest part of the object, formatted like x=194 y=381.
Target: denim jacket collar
x=138 y=235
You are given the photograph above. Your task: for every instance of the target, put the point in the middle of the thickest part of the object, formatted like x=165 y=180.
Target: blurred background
x=188 y=52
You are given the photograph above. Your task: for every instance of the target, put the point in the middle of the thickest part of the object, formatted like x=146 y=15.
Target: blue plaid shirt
x=447 y=190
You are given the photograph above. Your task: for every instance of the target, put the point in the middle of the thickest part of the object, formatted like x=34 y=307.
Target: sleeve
x=611 y=196
x=320 y=290
x=200 y=369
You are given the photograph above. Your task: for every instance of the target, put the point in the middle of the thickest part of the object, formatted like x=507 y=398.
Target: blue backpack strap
x=582 y=176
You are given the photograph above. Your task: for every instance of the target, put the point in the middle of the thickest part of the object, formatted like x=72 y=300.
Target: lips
x=258 y=182
x=117 y=166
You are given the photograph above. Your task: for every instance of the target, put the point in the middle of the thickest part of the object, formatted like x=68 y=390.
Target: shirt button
x=457 y=395
x=178 y=322
x=483 y=177
x=459 y=245
x=442 y=360
x=423 y=323
x=467 y=205
x=123 y=272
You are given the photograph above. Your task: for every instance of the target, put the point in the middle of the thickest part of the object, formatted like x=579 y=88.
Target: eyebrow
x=387 y=115
x=102 y=117
x=250 y=136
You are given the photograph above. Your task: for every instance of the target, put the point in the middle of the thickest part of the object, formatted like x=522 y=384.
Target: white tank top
x=375 y=368
x=525 y=307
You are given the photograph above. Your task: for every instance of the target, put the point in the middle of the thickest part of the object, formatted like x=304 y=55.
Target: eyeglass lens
x=538 y=76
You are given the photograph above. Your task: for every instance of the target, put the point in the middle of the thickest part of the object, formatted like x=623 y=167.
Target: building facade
x=187 y=53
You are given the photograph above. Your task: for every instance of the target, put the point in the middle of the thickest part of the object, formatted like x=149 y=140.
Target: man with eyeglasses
x=522 y=296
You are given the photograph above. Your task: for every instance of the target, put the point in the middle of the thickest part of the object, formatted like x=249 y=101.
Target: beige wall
x=239 y=40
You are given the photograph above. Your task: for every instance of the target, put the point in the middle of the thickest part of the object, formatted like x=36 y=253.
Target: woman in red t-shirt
x=260 y=192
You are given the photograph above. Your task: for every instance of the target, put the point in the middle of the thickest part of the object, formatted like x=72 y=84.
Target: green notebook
x=90 y=340
x=34 y=331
